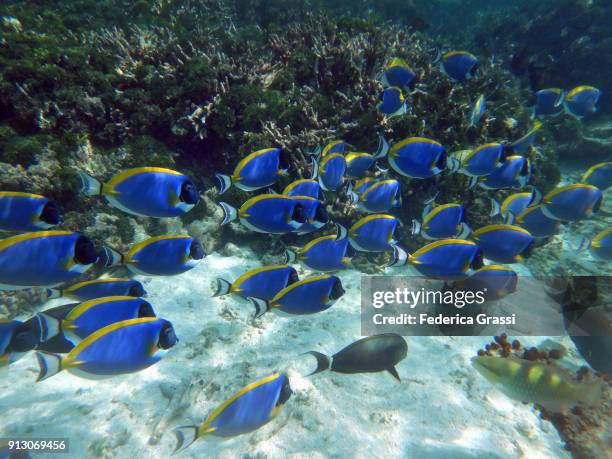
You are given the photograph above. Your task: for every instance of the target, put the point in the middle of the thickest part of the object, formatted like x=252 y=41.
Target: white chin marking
x=248 y=225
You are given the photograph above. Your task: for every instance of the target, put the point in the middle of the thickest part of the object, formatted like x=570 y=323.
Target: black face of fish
x=299 y=214
x=441 y=163
x=597 y=205
x=321 y=214
x=84 y=251
x=25 y=337
x=50 y=214
x=337 y=290
x=145 y=310
x=285 y=393
x=167 y=337
x=474 y=69
x=350 y=251
x=506 y=151
x=525 y=168
x=529 y=249
x=189 y=193
x=137 y=290
x=478 y=261
x=196 y=251
x=293 y=277
x=284 y=161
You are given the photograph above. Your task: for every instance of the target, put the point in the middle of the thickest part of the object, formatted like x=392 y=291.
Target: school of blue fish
x=109 y=329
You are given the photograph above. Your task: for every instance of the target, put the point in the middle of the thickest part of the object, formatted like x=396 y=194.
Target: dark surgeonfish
x=246 y=411
x=123 y=347
x=27 y=212
x=264 y=282
x=260 y=169
x=145 y=192
x=368 y=355
x=44 y=259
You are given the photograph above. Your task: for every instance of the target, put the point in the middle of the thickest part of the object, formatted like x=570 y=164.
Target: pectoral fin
x=394 y=373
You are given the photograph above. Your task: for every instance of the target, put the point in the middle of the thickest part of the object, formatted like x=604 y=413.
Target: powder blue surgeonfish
x=316 y=214
x=495 y=281
x=27 y=212
x=335 y=146
x=17 y=338
x=307 y=296
x=304 y=187
x=260 y=169
x=398 y=73
x=329 y=170
x=417 y=157
x=504 y=243
x=599 y=175
x=515 y=204
x=572 y=202
x=479 y=162
x=98 y=288
x=600 y=246
x=381 y=196
x=445 y=259
x=548 y=102
x=123 y=347
x=522 y=145
x=358 y=163
x=442 y=222
x=536 y=222
x=264 y=282
x=392 y=102
x=374 y=233
x=514 y=173
x=582 y=101
x=326 y=253
x=268 y=213
x=246 y=411
x=161 y=256
x=478 y=110
x=44 y=259
x=145 y=191
x=459 y=65
x=76 y=322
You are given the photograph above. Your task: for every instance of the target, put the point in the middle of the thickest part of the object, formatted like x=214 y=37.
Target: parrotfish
x=27 y=212
x=145 y=191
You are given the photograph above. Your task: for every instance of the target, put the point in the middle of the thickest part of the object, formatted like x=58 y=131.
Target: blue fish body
x=447 y=258
x=483 y=160
x=538 y=224
x=307 y=296
x=392 y=102
x=90 y=316
x=417 y=157
x=248 y=410
x=304 y=187
x=258 y=170
x=100 y=288
x=312 y=207
x=327 y=253
x=162 y=256
x=357 y=164
x=22 y=212
x=337 y=146
x=600 y=175
x=515 y=204
x=601 y=245
x=7 y=328
x=459 y=65
x=397 y=73
x=148 y=192
x=270 y=213
x=264 y=282
x=514 y=173
x=442 y=222
x=582 y=101
x=363 y=184
x=41 y=259
x=548 y=102
x=373 y=233
x=504 y=243
x=331 y=171
x=522 y=145
x=123 y=347
x=572 y=202
x=496 y=281
x=380 y=196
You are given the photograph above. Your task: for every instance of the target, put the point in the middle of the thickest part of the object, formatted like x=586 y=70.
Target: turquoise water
x=150 y=152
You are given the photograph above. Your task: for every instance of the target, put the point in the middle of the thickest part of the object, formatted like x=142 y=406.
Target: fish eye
x=196 y=251
x=285 y=393
x=50 y=214
x=137 y=290
x=84 y=251
x=441 y=163
x=321 y=215
x=146 y=310
x=337 y=290
x=299 y=214
x=478 y=261
x=284 y=160
x=24 y=337
x=293 y=277
x=525 y=168
x=189 y=193
x=167 y=337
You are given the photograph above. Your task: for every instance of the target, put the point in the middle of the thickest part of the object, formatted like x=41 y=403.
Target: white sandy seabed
x=441 y=409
